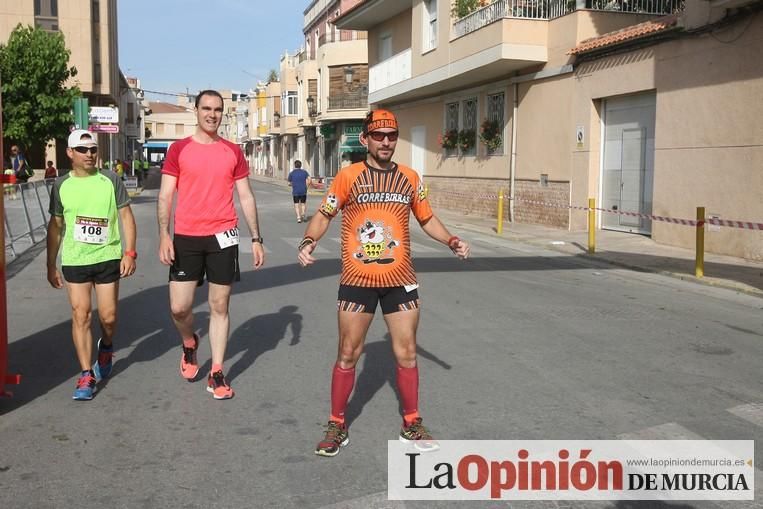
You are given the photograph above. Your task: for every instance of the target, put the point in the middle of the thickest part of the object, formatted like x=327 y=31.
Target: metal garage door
x=628 y=167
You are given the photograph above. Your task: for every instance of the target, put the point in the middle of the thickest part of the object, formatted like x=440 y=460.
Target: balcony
x=340 y=36
x=389 y=72
x=551 y=9
x=349 y=101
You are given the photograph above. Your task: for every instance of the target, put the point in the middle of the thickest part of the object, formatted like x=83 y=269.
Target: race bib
x=91 y=230
x=228 y=238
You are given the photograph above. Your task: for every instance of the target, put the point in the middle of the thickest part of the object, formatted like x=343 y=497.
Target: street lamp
x=311 y=106
x=276 y=119
x=348 y=72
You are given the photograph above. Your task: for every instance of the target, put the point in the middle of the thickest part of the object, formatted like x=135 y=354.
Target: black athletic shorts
x=300 y=198
x=99 y=273
x=197 y=256
x=361 y=299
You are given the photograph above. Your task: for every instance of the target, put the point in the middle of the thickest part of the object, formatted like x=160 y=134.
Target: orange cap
x=380 y=119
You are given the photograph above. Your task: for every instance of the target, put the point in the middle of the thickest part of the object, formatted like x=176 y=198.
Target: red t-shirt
x=205 y=176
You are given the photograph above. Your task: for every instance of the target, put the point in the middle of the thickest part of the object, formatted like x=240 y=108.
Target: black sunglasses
x=379 y=136
x=85 y=150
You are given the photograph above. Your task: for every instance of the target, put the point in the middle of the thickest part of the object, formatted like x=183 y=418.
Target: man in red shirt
x=377 y=197
x=204 y=169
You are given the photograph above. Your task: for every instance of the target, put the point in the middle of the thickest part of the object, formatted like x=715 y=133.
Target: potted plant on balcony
x=490 y=135
x=449 y=139
x=467 y=138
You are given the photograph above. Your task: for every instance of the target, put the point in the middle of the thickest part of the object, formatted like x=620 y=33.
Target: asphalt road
x=516 y=343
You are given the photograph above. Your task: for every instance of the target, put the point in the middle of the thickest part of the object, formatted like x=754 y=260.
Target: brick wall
x=479 y=197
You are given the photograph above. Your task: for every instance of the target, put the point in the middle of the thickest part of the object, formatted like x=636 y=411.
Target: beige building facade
x=90 y=32
x=167 y=123
x=647 y=113
x=336 y=61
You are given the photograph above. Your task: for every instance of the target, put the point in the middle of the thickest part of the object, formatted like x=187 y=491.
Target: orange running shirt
x=376 y=206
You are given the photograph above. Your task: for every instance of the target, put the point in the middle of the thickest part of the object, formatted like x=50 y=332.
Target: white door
x=418 y=149
x=628 y=162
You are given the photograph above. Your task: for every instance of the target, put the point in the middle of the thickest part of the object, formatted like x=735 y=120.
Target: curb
x=714 y=282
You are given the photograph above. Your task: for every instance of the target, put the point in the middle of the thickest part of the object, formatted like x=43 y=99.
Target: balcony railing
x=550 y=9
x=341 y=35
x=349 y=101
x=395 y=69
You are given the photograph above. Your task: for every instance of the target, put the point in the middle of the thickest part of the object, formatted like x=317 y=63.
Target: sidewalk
x=636 y=252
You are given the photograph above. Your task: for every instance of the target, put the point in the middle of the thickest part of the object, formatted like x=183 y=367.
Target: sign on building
x=104 y=115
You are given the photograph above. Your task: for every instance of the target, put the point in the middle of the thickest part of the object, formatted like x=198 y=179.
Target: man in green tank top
x=86 y=205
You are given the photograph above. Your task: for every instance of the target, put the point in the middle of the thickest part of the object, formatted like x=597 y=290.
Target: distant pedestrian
x=299 y=180
x=85 y=208
x=50 y=171
x=21 y=167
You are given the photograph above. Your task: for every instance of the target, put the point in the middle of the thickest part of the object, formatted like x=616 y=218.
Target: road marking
x=667 y=431
x=246 y=246
x=752 y=412
x=375 y=501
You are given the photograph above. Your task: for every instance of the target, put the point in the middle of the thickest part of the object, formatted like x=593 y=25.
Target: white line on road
x=752 y=412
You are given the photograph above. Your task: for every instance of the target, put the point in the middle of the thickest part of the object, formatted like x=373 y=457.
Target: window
x=469 y=124
x=451 y=124
x=461 y=117
x=47 y=8
x=264 y=115
x=290 y=103
x=430 y=25
x=495 y=112
x=385 y=47
x=96 y=11
x=46 y=14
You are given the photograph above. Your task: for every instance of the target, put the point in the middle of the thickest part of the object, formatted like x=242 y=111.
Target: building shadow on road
x=651 y=504
x=379 y=369
x=262 y=334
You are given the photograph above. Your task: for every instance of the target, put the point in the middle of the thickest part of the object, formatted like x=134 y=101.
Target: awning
x=156 y=144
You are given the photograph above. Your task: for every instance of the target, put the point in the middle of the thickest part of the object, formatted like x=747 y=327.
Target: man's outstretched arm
x=435 y=229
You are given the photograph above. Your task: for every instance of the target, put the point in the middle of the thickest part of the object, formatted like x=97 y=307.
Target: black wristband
x=257 y=239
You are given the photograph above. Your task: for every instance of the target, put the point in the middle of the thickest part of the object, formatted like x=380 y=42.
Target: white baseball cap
x=76 y=139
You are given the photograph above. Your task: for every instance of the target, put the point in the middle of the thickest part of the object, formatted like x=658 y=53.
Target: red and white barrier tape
x=747 y=225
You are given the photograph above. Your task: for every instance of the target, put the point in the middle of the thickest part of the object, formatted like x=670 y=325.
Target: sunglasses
x=378 y=136
x=85 y=150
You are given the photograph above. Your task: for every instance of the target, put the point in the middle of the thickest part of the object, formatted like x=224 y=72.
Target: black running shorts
x=197 y=256
x=99 y=273
x=300 y=198
x=361 y=299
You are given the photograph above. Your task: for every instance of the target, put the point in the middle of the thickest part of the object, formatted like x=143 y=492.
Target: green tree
x=34 y=68
x=272 y=76
x=461 y=8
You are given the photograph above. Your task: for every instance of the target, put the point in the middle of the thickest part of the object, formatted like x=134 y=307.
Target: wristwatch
x=132 y=254
x=257 y=239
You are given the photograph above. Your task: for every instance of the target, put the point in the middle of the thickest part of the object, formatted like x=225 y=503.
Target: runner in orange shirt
x=377 y=197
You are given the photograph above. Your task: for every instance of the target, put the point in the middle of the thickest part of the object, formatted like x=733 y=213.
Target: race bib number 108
x=91 y=230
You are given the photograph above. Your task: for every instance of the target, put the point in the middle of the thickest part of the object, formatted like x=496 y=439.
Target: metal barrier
x=25 y=208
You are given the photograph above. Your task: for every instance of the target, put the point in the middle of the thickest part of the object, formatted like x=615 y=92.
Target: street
x=517 y=342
